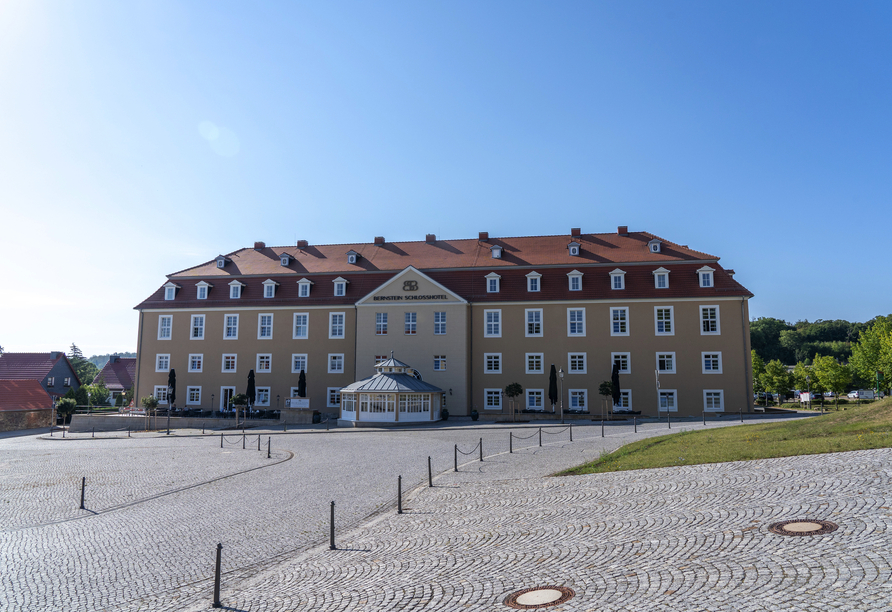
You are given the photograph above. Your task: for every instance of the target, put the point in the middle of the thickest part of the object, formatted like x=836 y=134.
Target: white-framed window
x=439 y=363
x=439 y=323
x=162 y=362
x=284 y=259
x=202 y=290
x=709 y=321
x=618 y=279
x=666 y=363
x=534 y=281
x=712 y=362
x=298 y=363
x=261 y=396
x=492 y=282
x=578 y=399
x=623 y=360
x=301 y=326
x=625 y=400
x=492 y=399
x=705 y=276
x=193 y=396
x=534 y=363
x=668 y=400
x=230 y=362
x=534 y=322
x=576 y=322
x=230 y=327
x=577 y=363
x=51 y=381
x=66 y=382
x=269 y=288
x=303 y=287
x=335 y=325
x=196 y=362
x=661 y=278
x=170 y=292
x=334 y=397
x=664 y=322
x=165 y=324
x=575 y=278
x=713 y=400
x=340 y=287
x=492 y=320
x=264 y=362
x=492 y=363
x=265 y=326
x=336 y=363
x=619 y=321
x=197 y=326
x=535 y=399
x=380 y=323
x=160 y=393
x=235 y=290
x=411 y=327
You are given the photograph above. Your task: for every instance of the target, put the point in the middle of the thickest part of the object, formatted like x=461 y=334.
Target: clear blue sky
x=140 y=138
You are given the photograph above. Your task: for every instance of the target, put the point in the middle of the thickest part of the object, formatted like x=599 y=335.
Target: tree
x=758 y=371
x=873 y=351
x=81 y=396
x=765 y=335
x=65 y=408
x=776 y=379
x=833 y=375
x=76 y=353
x=149 y=402
x=98 y=393
x=800 y=374
x=85 y=370
x=512 y=391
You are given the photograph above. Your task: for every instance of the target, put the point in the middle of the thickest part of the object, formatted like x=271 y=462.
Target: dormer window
x=284 y=259
x=353 y=257
x=492 y=282
x=534 y=281
x=170 y=291
x=573 y=248
x=340 y=287
x=202 y=289
x=618 y=279
x=221 y=261
x=496 y=251
x=654 y=246
x=303 y=287
x=269 y=288
x=575 y=280
x=661 y=278
x=235 y=290
x=705 y=275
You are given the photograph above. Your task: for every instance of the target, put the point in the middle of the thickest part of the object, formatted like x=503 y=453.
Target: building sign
x=398 y=298
x=297 y=402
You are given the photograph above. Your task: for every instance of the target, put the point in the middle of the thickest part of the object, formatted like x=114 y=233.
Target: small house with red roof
x=52 y=371
x=118 y=374
x=24 y=404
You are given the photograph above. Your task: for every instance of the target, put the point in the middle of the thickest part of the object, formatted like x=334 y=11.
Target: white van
x=863 y=394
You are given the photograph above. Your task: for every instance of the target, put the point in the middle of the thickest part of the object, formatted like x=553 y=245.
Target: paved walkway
x=687 y=538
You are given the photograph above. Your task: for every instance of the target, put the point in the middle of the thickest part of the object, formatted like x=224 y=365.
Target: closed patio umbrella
x=302 y=385
x=614 y=381
x=553 y=387
x=171 y=387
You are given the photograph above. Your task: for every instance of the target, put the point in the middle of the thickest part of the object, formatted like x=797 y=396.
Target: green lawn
x=853 y=429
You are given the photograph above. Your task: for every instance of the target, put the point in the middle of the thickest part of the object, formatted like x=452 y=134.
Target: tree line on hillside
x=829 y=355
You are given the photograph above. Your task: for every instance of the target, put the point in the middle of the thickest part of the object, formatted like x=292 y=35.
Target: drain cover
x=539 y=597
x=802 y=527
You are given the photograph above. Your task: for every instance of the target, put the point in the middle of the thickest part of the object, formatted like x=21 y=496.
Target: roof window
x=352 y=257
x=573 y=248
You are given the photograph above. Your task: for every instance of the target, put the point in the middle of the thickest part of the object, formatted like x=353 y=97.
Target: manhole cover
x=802 y=527
x=539 y=597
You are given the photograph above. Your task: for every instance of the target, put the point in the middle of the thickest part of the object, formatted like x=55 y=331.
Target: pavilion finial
x=391 y=354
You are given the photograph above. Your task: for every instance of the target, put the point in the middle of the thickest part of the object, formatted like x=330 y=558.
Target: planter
x=475 y=415
x=444 y=414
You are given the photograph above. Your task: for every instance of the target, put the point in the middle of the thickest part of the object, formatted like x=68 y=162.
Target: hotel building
x=471 y=316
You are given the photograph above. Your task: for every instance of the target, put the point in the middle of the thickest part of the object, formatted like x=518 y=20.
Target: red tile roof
x=27 y=365
x=118 y=373
x=23 y=395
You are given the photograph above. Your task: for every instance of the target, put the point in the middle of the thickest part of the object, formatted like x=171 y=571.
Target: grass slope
x=854 y=429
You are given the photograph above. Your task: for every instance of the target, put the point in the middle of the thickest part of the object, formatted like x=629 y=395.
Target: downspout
x=139 y=365
x=747 y=358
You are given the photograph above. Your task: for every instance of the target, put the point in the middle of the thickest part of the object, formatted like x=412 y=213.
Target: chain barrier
x=476 y=446
x=556 y=432
x=526 y=437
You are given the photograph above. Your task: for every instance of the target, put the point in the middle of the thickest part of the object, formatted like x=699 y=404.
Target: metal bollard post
x=243 y=439
x=571 y=432
x=221 y=440
x=399 y=494
x=51 y=432
x=704 y=418
x=331 y=545
x=510 y=442
x=63 y=431
x=602 y=428
x=217 y=603
x=455 y=452
x=284 y=427
x=668 y=419
x=741 y=416
x=326 y=424
x=258 y=442
x=93 y=434
x=481 y=449
x=540 y=436
x=430 y=475
x=202 y=429
x=128 y=432
x=269 y=442
x=635 y=424
x=83 y=486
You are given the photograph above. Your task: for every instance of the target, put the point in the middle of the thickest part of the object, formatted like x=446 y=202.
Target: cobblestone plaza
x=684 y=538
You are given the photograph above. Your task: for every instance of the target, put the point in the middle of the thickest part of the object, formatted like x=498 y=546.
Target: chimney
x=730 y=272
x=113 y=359
x=302 y=244
x=259 y=245
x=576 y=232
x=623 y=230
x=379 y=240
x=484 y=237
x=430 y=238
x=55 y=355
